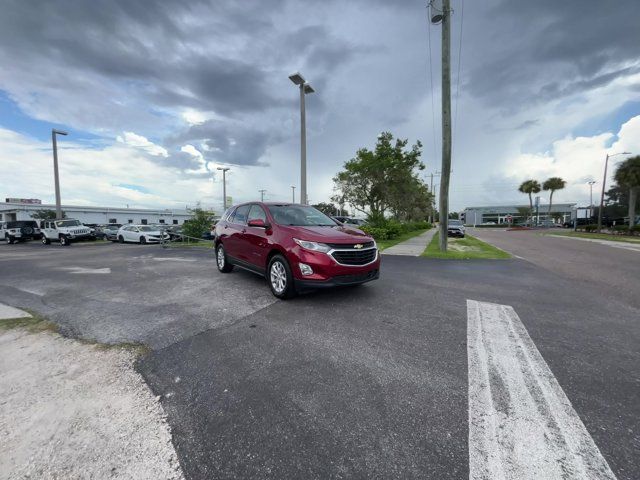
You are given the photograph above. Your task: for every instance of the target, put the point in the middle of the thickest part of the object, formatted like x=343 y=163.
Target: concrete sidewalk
x=412 y=247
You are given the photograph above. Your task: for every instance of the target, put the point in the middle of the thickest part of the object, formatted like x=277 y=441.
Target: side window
x=241 y=215
x=175 y=222
x=113 y=220
x=144 y=221
x=257 y=213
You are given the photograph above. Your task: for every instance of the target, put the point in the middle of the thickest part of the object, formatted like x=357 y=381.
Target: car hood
x=337 y=234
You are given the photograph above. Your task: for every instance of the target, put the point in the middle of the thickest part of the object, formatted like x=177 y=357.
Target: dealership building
x=502 y=213
x=23 y=209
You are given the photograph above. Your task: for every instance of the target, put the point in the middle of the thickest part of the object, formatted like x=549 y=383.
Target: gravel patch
x=72 y=410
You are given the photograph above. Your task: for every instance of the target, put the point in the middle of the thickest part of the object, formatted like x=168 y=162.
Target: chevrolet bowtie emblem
x=358 y=245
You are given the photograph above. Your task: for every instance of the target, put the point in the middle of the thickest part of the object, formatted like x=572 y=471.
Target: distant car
x=141 y=234
x=208 y=236
x=455 y=228
x=19 y=231
x=110 y=232
x=350 y=221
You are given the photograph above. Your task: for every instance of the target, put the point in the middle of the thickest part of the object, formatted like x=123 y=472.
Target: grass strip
x=596 y=236
x=382 y=244
x=466 y=248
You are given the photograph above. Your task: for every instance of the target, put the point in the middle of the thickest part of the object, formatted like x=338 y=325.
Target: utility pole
x=56 y=177
x=591 y=183
x=441 y=13
x=293 y=194
x=432 y=217
x=224 y=187
x=262 y=192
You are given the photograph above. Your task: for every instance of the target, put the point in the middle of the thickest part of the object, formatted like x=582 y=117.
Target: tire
x=221 y=260
x=120 y=239
x=64 y=241
x=280 y=278
x=45 y=240
x=9 y=239
x=143 y=240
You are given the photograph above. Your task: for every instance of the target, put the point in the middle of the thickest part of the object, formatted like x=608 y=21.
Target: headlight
x=313 y=246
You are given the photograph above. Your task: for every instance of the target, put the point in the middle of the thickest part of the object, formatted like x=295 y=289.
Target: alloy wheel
x=278 y=276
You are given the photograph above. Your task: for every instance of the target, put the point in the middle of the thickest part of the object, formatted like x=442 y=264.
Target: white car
x=65 y=231
x=141 y=234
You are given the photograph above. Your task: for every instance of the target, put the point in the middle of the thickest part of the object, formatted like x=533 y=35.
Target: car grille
x=357 y=278
x=355 y=257
x=350 y=245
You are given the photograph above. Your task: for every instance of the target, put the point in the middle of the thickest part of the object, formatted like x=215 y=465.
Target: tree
x=385 y=180
x=326 y=208
x=552 y=184
x=530 y=187
x=628 y=175
x=45 y=214
x=199 y=224
x=454 y=215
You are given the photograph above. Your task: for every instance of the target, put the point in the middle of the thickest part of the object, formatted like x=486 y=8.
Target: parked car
x=110 y=231
x=19 y=231
x=455 y=228
x=296 y=247
x=358 y=222
x=65 y=231
x=141 y=234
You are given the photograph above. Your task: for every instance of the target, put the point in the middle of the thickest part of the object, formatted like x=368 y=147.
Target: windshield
x=146 y=228
x=68 y=223
x=300 y=215
x=455 y=222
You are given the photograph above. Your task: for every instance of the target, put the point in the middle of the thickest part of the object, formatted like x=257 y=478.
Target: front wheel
x=221 y=260
x=120 y=239
x=9 y=239
x=45 y=240
x=143 y=240
x=64 y=241
x=280 y=277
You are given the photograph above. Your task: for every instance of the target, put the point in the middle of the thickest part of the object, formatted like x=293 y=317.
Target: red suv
x=296 y=247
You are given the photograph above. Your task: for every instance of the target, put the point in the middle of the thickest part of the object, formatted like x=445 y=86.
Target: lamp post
x=56 y=177
x=591 y=184
x=293 y=194
x=224 y=186
x=305 y=88
x=604 y=182
x=262 y=192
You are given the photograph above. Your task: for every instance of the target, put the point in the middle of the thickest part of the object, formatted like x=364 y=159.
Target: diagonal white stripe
x=521 y=424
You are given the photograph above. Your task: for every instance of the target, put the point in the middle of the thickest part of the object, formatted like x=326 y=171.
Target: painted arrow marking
x=521 y=424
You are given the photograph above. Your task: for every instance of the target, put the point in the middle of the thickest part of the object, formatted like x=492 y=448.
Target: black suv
x=19 y=230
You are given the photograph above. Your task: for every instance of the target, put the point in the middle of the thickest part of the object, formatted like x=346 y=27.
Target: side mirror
x=259 y=223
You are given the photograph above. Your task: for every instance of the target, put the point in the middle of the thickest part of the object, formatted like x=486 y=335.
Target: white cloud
x=138 y=141
x=197 y=117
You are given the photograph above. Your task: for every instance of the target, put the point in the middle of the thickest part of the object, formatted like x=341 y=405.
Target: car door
x=235 y=230
x=255 y=242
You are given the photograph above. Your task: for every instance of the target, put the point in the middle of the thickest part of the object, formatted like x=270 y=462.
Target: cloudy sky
x=157 y=94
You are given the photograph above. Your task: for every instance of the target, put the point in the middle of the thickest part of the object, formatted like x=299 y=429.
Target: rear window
x=22 y=223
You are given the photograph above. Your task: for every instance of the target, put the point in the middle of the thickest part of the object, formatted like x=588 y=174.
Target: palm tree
x=553 y=184
x=529 y=187
x=628 y=175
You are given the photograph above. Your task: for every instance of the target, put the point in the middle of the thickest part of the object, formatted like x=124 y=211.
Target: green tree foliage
x=530 y=187
x=45 y=214
x=628 y=176
x=199 y=224
x=326 y=208
x=454 y=215
x=553 y=184
x=385 y=181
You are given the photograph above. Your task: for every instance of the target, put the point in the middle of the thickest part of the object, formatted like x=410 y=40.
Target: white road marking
x=521 y=424
x=10 y=312
x=82 y=270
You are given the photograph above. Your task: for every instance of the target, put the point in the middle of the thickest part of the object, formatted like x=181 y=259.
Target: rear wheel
x=280 y=277
x=9 y=239
x=221 y=260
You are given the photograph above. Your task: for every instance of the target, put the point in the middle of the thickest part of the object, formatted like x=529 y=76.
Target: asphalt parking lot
x=365 y=382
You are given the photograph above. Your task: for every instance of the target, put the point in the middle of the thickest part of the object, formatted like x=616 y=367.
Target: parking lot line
x=521 y=423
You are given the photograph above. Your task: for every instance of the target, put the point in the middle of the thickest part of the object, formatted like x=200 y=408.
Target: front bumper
x=455 y=233
x=338 y=281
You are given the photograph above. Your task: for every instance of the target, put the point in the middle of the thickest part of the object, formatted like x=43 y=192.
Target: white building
x=560 y=213
x=10 y=211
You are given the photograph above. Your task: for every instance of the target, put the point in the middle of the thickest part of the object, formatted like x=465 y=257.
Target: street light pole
x=305 y=88
x=224 y=186
x=262 y=192
x=591 y=183
x=293 y=194
x=604 y=182
x=56 y=177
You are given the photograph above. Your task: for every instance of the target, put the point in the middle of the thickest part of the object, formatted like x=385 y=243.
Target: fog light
x=305 y=269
